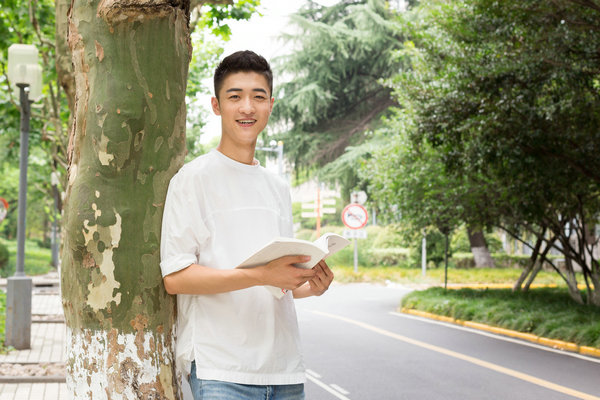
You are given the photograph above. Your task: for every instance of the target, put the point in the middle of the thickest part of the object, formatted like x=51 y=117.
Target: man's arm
x=199 y=279
x=317 y=285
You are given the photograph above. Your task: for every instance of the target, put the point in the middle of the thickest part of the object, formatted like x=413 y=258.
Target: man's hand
x=317 y=285
x=282 y=273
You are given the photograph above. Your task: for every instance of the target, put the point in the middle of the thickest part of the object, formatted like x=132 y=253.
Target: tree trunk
x=64 y=67
x=130 y=62
x=572 y=281
x=481 y=254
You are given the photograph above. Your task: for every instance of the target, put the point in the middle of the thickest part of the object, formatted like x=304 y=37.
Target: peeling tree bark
x=64 y=68
x=130 y=63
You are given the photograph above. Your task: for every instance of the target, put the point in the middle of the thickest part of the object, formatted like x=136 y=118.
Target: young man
x=235 y=338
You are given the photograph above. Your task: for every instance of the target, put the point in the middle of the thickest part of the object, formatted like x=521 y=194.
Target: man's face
x=244 y=105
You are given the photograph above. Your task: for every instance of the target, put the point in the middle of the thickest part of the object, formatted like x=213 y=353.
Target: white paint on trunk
x=482 y=257
x=120 y=366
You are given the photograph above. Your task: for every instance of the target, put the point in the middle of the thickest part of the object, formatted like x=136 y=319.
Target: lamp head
x=23 y=68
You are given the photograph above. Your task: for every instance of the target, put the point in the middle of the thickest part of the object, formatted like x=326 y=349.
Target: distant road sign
x=359 y=197
x=355 y=233
x=355 y=216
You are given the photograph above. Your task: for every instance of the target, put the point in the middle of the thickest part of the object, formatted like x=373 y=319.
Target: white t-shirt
x=219 y=211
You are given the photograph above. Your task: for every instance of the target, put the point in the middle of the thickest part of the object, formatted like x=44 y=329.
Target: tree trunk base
x=482 y=257
x=112 y=365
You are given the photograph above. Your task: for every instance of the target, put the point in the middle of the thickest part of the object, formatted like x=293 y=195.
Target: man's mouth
x=246 y=122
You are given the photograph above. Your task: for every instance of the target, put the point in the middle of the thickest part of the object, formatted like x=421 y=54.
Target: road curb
x=554 y=343
x=32 y=379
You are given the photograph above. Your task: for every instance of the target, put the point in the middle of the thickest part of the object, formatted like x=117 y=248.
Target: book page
x=280 y=247
x=331 y=243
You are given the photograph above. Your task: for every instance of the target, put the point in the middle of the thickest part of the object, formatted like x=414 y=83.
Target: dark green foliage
x=435 y=247
x=500 y=122
x=336 y=91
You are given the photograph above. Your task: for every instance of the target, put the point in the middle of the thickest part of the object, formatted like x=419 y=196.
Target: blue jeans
x=216 y=390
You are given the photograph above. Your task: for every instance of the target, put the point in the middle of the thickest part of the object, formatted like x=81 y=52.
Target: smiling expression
x=244 y=104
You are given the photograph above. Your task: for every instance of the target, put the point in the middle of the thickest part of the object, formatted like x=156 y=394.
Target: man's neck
x=244 y=155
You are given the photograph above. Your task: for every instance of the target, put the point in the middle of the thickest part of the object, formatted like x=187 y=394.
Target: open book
x=324 y=246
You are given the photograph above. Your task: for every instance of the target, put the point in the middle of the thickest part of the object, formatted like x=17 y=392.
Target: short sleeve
x=183 y=228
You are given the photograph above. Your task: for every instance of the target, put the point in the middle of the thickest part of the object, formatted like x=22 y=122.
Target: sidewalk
x=38 y=373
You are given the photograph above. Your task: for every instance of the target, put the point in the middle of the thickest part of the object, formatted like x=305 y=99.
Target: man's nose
x=246 y=106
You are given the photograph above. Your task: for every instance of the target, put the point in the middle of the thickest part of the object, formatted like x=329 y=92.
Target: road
x=358 y=348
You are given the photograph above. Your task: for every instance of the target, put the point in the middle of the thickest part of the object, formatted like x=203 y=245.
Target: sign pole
x=355 y=217
x=355 y=256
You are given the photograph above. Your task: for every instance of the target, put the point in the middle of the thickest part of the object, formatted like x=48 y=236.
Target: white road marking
x=473 y=360
x=313 y=373
x=339 y=389
x=326 y=387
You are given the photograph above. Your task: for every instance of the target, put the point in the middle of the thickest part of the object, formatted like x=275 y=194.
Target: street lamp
x=25 y=75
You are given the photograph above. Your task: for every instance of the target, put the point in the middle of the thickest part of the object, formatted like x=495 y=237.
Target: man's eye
x=260 y=97
x=234 y=96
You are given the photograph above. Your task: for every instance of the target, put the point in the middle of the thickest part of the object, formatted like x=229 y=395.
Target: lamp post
x=25 y=74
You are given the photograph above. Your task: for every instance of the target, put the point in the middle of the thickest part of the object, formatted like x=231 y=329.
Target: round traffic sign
x=355 y=216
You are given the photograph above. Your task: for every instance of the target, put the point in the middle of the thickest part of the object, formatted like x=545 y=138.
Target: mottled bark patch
x=120 y=366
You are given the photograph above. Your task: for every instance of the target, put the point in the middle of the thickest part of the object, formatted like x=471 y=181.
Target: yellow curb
x=554 y=343
x=456 y=286
x=590 y=351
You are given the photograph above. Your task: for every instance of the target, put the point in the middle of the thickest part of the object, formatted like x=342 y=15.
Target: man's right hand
x=282 y=273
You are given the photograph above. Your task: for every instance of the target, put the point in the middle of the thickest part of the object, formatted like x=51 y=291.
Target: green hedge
x=389 y=257
x=502 y=260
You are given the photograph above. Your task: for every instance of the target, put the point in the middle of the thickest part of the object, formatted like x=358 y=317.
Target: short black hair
x=243 y=61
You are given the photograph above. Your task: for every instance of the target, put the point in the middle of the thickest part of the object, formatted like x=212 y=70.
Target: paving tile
x=34 y=391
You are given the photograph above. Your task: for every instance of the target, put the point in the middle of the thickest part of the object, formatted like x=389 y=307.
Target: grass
x=547 y=312
x=37 y=259
x=435 y=276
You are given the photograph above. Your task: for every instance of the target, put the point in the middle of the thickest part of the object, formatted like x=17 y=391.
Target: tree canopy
x=333 y=90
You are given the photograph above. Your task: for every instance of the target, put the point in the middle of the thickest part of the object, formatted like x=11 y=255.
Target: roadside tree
x=130 y=65
x=514 y=98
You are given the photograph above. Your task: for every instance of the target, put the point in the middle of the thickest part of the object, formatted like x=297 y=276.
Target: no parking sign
x=355 y=216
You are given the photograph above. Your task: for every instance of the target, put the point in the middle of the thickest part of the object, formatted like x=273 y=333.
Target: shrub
x=502 y=260
x=4 y=256
x=460 y=241
x=389 y=256
x=435 y=247
x=389 y=237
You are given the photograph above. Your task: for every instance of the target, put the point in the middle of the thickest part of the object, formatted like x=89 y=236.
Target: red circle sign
x=355 y=216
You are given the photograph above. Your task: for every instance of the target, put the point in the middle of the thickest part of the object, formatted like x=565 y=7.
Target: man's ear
x=271 y=107
x=214 y=102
